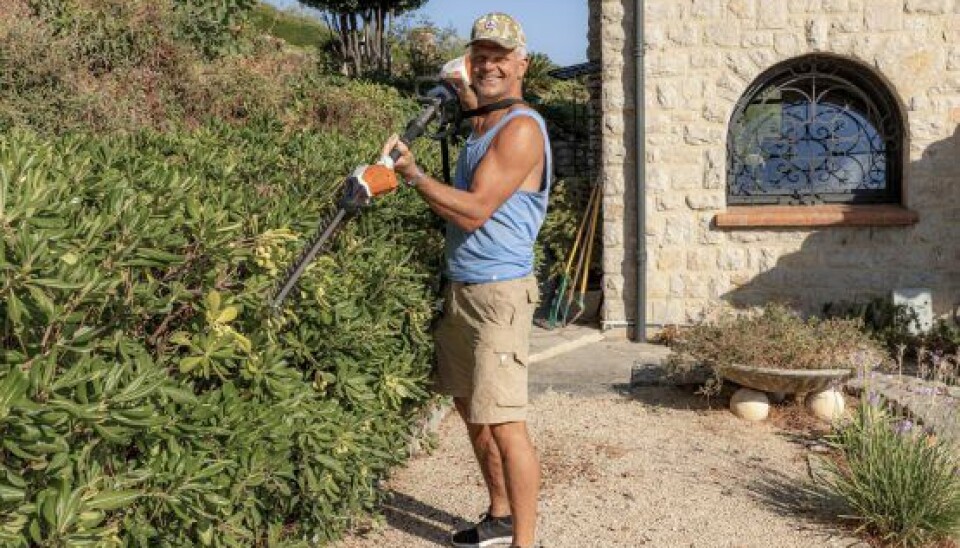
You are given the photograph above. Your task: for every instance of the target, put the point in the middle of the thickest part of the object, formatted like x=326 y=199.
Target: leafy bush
x=900 y=483
x=296 y=29
x=125 y=65
x=145 y=394
x=778 y=338
x=894 y=325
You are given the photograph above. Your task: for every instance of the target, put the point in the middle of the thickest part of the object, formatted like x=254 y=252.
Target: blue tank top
x=501 y=249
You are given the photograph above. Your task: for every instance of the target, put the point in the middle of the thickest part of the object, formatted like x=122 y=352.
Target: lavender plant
x=900 y=482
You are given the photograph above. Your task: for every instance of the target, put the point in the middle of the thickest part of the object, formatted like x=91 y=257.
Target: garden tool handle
x=580 y=229
x=591 y=233
x=418 y=125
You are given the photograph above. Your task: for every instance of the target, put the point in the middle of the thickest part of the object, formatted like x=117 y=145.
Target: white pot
x=751 y=405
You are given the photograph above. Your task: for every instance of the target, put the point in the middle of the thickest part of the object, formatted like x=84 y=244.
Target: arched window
x=815 y=129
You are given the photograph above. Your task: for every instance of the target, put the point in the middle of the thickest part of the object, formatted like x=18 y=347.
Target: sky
x=555 y=27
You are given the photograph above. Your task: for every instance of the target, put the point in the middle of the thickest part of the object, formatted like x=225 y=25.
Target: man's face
x=496 y=72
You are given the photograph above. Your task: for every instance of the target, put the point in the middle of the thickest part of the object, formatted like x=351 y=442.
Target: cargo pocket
x=501 y=373
x=513 y=369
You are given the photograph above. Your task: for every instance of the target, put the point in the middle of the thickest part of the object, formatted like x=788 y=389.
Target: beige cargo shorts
x=482 y=342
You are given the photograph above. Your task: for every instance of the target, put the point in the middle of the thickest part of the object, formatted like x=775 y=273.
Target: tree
x=361 y=28
x=537 y=81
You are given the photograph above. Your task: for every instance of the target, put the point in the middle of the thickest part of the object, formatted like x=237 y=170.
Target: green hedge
x=146 y=395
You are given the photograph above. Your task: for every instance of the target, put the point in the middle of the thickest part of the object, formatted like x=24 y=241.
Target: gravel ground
x=655 y=467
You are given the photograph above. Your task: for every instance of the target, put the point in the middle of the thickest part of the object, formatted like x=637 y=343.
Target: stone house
x=805 y=150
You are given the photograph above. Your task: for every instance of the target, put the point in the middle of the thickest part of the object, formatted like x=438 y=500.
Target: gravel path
x=652 y=468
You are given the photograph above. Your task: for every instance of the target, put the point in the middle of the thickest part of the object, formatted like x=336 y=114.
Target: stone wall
x=700 y=56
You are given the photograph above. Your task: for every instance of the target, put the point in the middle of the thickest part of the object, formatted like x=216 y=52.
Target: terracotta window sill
x=815 y=216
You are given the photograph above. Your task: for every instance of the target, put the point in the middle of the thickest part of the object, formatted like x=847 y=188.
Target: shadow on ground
x=683 y=397
x=417 y=518
x=806 y=500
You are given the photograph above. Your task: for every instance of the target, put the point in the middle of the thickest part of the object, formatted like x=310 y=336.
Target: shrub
x=294 y=28
x=901 y=484
x=125 y=65
x=145 y=394
x=934 y=354
x=778 y=338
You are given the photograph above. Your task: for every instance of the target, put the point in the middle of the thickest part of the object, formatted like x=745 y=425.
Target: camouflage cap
x=499 y=28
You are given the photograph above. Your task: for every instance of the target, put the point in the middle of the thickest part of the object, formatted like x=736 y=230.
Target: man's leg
x=488 y=457
x=521 y=472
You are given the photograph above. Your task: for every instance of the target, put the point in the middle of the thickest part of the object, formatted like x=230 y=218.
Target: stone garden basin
x=786 y=381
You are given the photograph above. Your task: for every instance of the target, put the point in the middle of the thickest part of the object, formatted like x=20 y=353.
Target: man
x=494 y=211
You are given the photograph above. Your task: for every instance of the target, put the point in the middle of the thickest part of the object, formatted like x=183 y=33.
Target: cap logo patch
x=490 y=24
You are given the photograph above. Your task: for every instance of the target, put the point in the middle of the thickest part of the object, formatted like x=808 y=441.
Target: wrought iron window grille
x=816 y=129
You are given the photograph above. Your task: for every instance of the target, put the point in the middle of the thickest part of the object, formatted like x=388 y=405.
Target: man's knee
x=479 y=433
x=511 y=436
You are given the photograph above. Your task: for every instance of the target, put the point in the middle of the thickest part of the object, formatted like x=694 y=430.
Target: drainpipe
x=640 y=330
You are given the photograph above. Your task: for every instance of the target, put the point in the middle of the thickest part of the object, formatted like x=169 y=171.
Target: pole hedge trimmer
x=440 y=106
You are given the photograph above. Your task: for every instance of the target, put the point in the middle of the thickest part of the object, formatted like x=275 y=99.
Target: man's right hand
x=405 y=165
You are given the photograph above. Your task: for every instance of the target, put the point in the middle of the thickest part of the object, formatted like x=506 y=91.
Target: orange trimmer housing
x=379 y=179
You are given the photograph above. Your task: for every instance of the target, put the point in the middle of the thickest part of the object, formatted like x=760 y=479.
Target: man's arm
x=515 y=157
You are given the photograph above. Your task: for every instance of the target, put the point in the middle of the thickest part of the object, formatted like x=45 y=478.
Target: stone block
x=614 y=36
x=667 y=63
x=742 y=64
x=670 y=259
x=787 y=44
x=805 y=6
x=721 y=34
x=706 y=58
x=678 y=286
x=669 y=95
x=773 y=15
x=836 y=6
x=818 y=34
x=612 y=101
x=702 y=259
x=846 y=25
x=613 y=151
x=928 y=7
x=612 y=234
x=697 y=288
x=678 y=230
x=669 y=201
x=757 y=39
x=740 y=279
x=743 y=9
x=732 y=259
x=706 y=9
x=658 y=179
x=668 y=140
x=661 y=12
x=683 y=35
x=703 y=134
x=714 y=178
x=658 y=285
x=716 y=111
x=884 y=15
x=953 y=57
x=706 y=202
x=730 y=87
x=613 y=283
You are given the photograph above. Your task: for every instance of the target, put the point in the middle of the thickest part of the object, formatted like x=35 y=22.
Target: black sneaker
x=490 y=531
